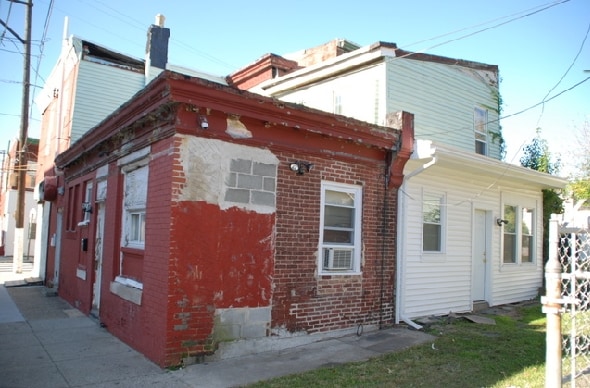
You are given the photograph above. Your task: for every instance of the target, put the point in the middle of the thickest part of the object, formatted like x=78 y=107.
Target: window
x=480 y=122
x=340 y=228
x=337 y=104
x=432 y=223
x=527 y=236
x=134 y=203
x=518 y=235
x=510 y=234
x=87 y=204
x=74 y=207
x=137 y=228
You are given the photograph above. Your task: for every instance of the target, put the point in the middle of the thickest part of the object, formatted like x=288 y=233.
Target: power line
x=566 y=72
x=9 y=81
x=7 y=19
x=40 y=57
x=547 y=100
x=490 y=21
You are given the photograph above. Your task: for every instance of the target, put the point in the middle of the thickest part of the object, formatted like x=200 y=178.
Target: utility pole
x=21 y=155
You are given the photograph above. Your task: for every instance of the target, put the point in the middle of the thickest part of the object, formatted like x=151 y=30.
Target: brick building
x=9 y=198
x=197 y=215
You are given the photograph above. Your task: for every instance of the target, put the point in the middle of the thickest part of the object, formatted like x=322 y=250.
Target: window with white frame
x=480 y=124
x=432 y=222
x=518 y=235
x=337 y=103
x=340 y=228
x=526 y=252
x=134 y=206
x=87 y=204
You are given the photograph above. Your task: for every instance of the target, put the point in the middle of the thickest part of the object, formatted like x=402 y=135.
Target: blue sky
x=534 y=43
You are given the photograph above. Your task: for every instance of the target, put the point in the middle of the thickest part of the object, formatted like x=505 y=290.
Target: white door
x=98 y=258
x=480 y=255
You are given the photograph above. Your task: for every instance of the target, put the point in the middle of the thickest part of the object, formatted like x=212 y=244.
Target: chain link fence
x=573 y=254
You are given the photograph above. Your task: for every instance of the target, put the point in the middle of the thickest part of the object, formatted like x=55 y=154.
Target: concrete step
x=480 y=305
x=24 y=282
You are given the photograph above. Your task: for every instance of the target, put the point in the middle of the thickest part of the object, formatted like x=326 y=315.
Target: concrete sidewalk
x=45 y=342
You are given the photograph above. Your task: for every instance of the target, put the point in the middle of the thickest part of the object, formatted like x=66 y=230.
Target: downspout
x=388 y=158
x=394 y=180
x=401 y=231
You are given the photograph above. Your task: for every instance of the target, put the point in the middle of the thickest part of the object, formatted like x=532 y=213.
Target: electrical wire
x=40 y=57
x=483 y=23
x=564 y=74
x=489 y=28
x=7 y=19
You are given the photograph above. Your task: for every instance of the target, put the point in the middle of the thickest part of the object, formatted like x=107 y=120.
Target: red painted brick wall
x=142 y=327
x=75 y=290
x=302 y=301
x=218 y=259
x=199 y=258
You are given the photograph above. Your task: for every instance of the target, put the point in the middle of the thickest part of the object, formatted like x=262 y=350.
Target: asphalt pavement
x=45 y=342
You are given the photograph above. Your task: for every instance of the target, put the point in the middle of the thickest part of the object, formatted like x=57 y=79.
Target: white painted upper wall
x=100 y=90
x=361 y=95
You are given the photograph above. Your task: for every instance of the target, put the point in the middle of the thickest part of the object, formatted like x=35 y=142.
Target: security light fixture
x=501 y=222
x=203 y=122
x=300 y=167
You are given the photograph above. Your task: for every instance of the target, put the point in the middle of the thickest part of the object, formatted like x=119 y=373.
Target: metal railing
x=567 y=305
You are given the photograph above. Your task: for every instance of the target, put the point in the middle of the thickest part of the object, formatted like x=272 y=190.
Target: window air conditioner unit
x=337 y=259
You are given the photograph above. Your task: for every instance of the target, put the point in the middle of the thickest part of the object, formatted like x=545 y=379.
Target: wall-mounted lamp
x=501 y=222
x=203 y=122
x=300 y=167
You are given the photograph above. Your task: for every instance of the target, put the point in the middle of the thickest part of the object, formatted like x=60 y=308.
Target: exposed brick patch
x=304 y=301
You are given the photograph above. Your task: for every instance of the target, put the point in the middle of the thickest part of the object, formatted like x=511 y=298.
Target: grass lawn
x=508 y=354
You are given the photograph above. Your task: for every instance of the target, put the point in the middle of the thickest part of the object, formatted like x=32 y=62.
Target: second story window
x=480 y=126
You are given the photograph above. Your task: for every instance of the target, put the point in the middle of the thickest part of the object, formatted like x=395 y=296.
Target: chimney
x=156 y=50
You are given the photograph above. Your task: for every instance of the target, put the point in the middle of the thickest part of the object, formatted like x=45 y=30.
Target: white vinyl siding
x=442 y=98
x=100 y=90
x=437 y=284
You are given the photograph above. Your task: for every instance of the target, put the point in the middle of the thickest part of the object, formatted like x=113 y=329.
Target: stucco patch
x=207 y=165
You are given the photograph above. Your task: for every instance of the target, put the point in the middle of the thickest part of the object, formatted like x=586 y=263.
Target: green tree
x=580 y=182
x=538 y=157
